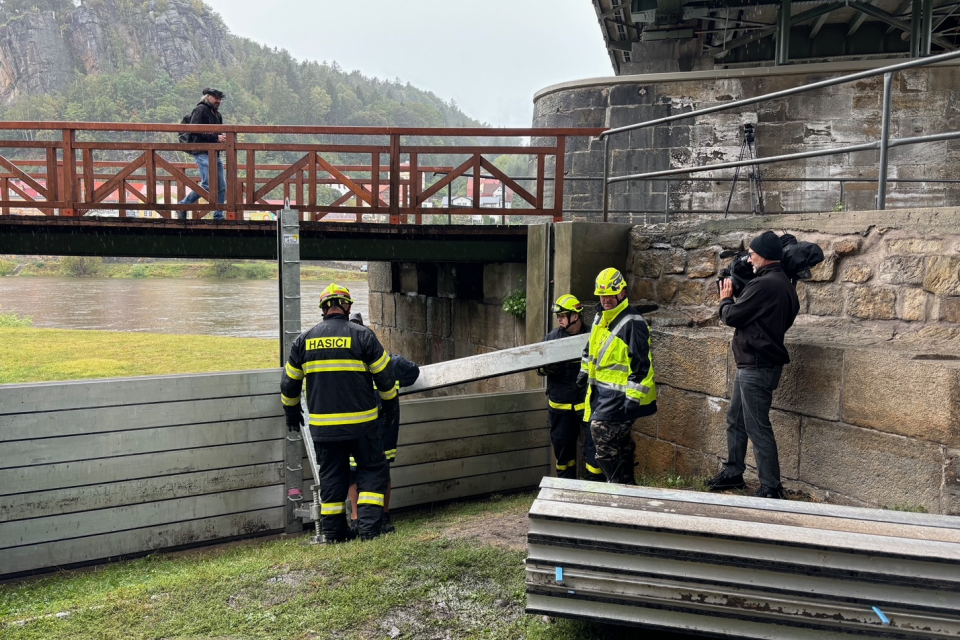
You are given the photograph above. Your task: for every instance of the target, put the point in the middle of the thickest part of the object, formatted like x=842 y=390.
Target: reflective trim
x=569 y=465
x=579 y=407
x=353 y=463
x=390 y=454
x=332 y=419
x=615 y=367
x=388 y=395
x=289 y=402
x=380 y=364
x=636 y=386
x=318 y=366
x=366 y=497
x=293 y=372
x=560 y=406
x=615 y=333
x=332 y=508
x=594 y=470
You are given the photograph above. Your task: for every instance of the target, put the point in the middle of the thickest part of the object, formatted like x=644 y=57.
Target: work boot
x=350 y=535
x=372 y=536
x=352 y=523
x=385 y=525
x=722 y=482
x=777 y=493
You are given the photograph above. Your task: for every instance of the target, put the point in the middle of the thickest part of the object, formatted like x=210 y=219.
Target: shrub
x=80 y=266
x=257 y=271
x=7 y=267
x=516 y=303
x=224 y=269
x=12 y=320
x=139 y=271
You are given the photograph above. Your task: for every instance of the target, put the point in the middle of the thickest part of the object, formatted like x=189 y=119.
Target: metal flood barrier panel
x=96 y=469
x=733 y=566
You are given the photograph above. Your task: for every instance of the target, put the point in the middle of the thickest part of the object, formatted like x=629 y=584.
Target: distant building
x=458 y=201
x=492 y=193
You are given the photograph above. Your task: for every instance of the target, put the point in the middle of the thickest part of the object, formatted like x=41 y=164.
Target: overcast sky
x=490 y=56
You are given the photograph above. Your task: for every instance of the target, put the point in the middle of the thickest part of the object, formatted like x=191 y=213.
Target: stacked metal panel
x=725 y=565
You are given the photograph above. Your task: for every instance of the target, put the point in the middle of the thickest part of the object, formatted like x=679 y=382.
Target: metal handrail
x=883 y=144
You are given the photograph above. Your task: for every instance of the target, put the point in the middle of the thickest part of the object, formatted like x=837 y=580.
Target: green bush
x=257 y=271
x=139 y=271
x=80 y=266
x=516 y=303
x=7 y=267
x=12 y=320
x=224 y=270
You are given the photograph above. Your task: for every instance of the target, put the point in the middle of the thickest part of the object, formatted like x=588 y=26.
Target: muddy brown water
x=239 y=308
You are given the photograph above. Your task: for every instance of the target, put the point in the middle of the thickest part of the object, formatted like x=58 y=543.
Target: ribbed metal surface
x=739 y=566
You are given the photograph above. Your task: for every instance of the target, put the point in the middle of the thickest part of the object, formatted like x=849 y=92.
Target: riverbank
x=79 y=267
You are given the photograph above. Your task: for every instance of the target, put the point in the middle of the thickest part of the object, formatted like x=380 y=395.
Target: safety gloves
x=294 y=418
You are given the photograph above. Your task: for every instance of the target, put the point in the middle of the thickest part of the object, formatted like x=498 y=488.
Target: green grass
x=244 y=269
x=426 y=579
x=41 y=355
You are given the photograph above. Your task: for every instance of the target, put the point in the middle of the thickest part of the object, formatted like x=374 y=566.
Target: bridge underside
x=151 y=238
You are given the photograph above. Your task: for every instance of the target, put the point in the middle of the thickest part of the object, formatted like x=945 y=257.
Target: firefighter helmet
x=567 y=304
x=609 y=283
x=333 y=293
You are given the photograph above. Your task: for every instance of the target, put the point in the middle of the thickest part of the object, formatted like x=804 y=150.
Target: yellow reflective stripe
x=331 y=419
x=578 y=407
x=293 y=372
x=564 y=467
x=388 y=395
x=318 y=366
x=289 y=402
x=353 y=463
x=332 y=508
x=594 y=470
x=622 y=368
x=390 y=454
x=560 y=406
x=380 y=364
x=366 y=497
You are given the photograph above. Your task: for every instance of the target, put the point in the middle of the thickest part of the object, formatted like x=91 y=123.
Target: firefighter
x=565 y=397
x=345 y=368
x=618 y=368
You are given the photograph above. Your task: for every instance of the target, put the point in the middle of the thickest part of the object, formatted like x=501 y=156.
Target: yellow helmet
x=609 y=283
x=567 y=304
x=333 y=293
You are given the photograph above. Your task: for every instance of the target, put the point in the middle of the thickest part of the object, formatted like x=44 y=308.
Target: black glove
x=294 y=418
x=391 y=408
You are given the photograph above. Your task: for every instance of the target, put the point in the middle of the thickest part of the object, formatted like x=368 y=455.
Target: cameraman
x=761 y=316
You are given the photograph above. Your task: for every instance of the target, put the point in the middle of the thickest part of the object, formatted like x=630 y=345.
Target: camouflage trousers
x=615 y=450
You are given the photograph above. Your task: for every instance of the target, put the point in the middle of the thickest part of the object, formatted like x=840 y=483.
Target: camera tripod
x=748 y=148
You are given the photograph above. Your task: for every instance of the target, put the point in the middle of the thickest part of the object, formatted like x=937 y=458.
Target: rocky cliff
x=41 y=52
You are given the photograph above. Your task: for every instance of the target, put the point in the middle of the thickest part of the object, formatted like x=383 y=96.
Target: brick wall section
x=925 y=101
x=436 y=328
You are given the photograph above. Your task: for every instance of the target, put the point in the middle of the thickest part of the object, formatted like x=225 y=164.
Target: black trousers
x=565 y=427
x=333 y=458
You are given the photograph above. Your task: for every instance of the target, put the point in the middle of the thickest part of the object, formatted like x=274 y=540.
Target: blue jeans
x=203 y=164
x=749 y=417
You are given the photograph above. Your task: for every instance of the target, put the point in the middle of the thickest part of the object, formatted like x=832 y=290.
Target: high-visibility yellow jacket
x=345 y=367
x=618 y=366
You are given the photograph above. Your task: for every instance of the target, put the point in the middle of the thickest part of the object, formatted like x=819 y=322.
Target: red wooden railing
x=62 y=178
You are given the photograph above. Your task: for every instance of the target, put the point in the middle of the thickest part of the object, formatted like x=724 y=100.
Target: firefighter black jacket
x=562 y=384
x=340 y=362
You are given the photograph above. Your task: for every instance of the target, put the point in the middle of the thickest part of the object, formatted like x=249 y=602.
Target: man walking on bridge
x=207 y=111
x=761 y=316
x=565 y=397
x=619 y=370
x=345 y=367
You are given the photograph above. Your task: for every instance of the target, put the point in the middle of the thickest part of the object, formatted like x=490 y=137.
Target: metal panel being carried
x=740 y=566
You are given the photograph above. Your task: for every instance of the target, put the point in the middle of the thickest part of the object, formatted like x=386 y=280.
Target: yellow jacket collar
x=607 y=316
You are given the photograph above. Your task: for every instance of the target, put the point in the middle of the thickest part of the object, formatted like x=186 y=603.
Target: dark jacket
x=341 y=362
x=562 y=384
x=761 y=316
x=203 y=113
x=406 y=371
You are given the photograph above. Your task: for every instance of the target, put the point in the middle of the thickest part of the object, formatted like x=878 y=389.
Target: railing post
x=559 y=170
x=606 y=176
x=233 y=176
x=394 y=178
x=68 y=180
x=884 y=141
x=915 y=18
x=927 y=27
x=783 y=33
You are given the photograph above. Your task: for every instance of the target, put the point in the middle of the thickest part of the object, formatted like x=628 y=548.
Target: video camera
x=797 y=261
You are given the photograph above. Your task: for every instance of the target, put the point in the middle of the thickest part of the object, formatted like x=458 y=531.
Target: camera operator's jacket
x=761 y=316
x=565 y=387
x=341 y=362
x=618 y=367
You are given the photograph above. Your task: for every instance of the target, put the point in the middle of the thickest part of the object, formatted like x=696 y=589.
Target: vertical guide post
x=915 y=19
x=288 y=258
x=606 y=176
x=927 y=27
x=884 y=141
x=783 y=33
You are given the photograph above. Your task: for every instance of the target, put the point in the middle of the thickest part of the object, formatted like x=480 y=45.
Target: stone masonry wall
x=432 y=313
x=925 y=101
x=867 y=410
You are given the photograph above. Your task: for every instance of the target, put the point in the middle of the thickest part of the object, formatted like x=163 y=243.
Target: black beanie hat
x=767 y=245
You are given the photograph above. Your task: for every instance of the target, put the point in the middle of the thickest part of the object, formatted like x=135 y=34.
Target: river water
x=240 y=308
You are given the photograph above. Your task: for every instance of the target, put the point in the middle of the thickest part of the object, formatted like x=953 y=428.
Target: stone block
x=643 y=289
x=654 y=457
x=389 y=309
x=950 y=501
x=691 y=292
x=500 y=280
x=446 y=281
x=695 y=240
x=896 y=393
x=877 y=468
x=786 y=429
x=375 y=306
x=408 y=277
x=439 y=350
x=409 y=344
x=950 y=310
x=682 y=417
x=412 y=313
x=736 y=241
x=811 y=384
x=702 y=263
x=380 y=277
x=676 y=261
x=693 y=361
x=649 y=263
x=846 y=246
x=439 y=317
x=914 y=245
x=691 y=463
x=902 y=270
x=824 y=300
x=943 y=275
x=648 y=425
x=716 y=424
x=913 y=305
x=667 y=289
x=824 y=271
x=871 y=303
x=859 y=273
